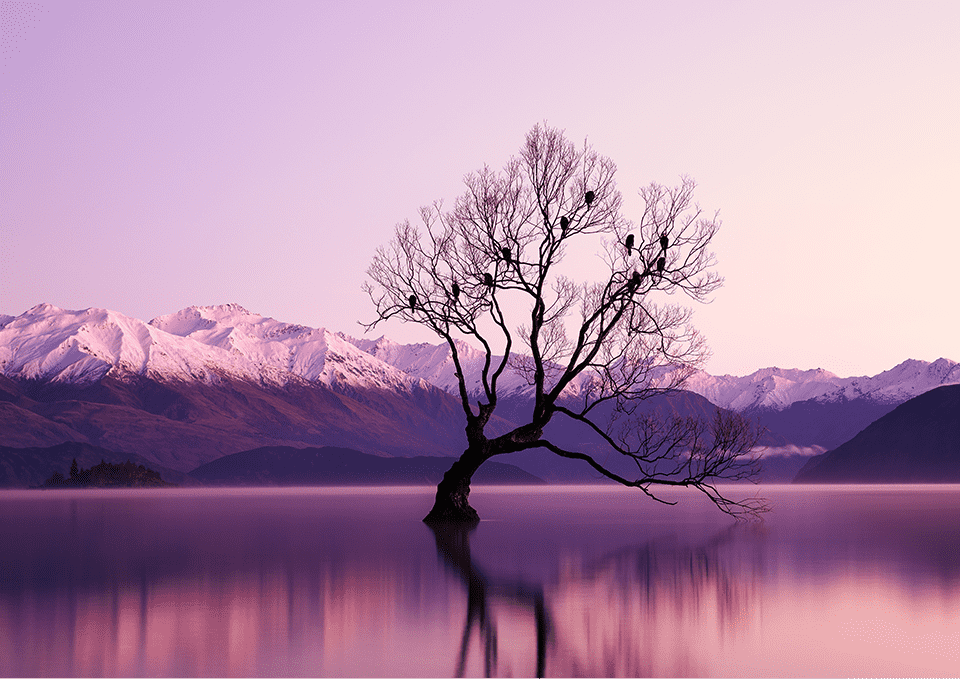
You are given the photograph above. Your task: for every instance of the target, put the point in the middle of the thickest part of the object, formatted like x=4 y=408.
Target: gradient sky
x=157 y=155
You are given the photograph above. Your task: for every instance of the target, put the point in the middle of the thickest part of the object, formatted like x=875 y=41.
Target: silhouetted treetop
x=489 y=271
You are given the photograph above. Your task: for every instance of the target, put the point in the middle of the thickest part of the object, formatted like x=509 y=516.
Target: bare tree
x=489 y=270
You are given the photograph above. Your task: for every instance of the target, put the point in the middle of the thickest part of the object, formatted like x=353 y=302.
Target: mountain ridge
x=209 y=381
x=765 y=389
x=778 y=388
x=196 y=343
x=208 y=343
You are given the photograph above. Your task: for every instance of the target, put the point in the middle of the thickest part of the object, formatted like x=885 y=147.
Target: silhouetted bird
x=634 y=281
x=661 y=262
x=589 y=197
x=506 y=253
x=488 y=280
x=456 y=291
x=564 y=223
x=629 y=243
x=413 y=301
x=664 y=242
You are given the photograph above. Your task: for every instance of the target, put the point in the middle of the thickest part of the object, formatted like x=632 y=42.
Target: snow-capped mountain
x=270 y=347
x=215 y=342
x=49 y=343
x=434 y=363
x=777 y=389
x=205 y=382
x=198 y=343
x=192 y=386
x=766 y=389
x=806 y=411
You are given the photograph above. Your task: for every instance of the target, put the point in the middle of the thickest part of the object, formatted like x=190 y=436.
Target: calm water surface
x=569 y=581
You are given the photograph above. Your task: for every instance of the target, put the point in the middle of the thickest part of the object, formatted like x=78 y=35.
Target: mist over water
x=569 y=580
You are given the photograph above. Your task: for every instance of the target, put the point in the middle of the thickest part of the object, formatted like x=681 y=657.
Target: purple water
x=571 y=580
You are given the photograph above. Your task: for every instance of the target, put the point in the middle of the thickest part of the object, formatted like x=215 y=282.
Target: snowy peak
x=197 y=343
x=265 y=342
x=313 y=354
x=434 y=364
x=222 y=321
x=776 y=388
x=904 y=381
x=769 y=388
x=209 y=343
x=47 y=342
x=430 y=362
x=766 y=388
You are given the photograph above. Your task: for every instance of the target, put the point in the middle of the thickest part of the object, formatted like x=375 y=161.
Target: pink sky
x=161 y=154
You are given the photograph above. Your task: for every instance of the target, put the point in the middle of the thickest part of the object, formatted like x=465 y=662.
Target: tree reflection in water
x=636 y=611
x=453 y=544
x=646 y=610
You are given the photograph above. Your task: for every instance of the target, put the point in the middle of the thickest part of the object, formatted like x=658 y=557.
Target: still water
x=568 y=581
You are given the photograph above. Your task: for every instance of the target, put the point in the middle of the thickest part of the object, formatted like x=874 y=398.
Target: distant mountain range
x=189 y=388
x=778 y=389
x=816 y=410
x=812 y=410
x=230 y=381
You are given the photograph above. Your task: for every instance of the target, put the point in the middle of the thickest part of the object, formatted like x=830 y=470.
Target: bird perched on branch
x=661 y=262
x=488 y=280
x=628 y=243
x=413 y=302
x=506 y=254
x=635 y=281
x=663 y=243
x=564 y=223
x=455 y=289
x=589 y=197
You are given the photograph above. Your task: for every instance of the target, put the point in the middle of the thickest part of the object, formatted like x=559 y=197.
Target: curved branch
x=463 y=272
x=747 y=509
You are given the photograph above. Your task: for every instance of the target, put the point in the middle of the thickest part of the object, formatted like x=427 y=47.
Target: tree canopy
x=490 y=271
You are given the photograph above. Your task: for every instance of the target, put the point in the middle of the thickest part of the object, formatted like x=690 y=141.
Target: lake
x=596 y=581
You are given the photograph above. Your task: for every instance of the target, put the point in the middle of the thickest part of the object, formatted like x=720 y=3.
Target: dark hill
x=816 y=423
x=331 y=466
x=918 y=442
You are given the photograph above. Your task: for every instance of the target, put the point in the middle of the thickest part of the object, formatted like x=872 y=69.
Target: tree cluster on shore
x=108 y=475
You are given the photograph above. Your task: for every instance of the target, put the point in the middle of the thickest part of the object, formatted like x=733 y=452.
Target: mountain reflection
x=332 y=583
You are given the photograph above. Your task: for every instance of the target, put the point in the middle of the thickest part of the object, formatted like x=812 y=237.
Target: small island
x=107 y=475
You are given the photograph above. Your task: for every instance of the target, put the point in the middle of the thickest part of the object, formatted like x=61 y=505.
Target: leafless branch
x=487 y=271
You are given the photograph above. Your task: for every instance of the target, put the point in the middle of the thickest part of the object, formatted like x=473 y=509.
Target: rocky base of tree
x=452 y=504
x=452 y=514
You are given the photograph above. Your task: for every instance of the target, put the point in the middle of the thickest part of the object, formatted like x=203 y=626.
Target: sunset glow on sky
x=157 y=155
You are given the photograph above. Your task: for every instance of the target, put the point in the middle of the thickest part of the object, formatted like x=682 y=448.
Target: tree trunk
x=452 y=505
